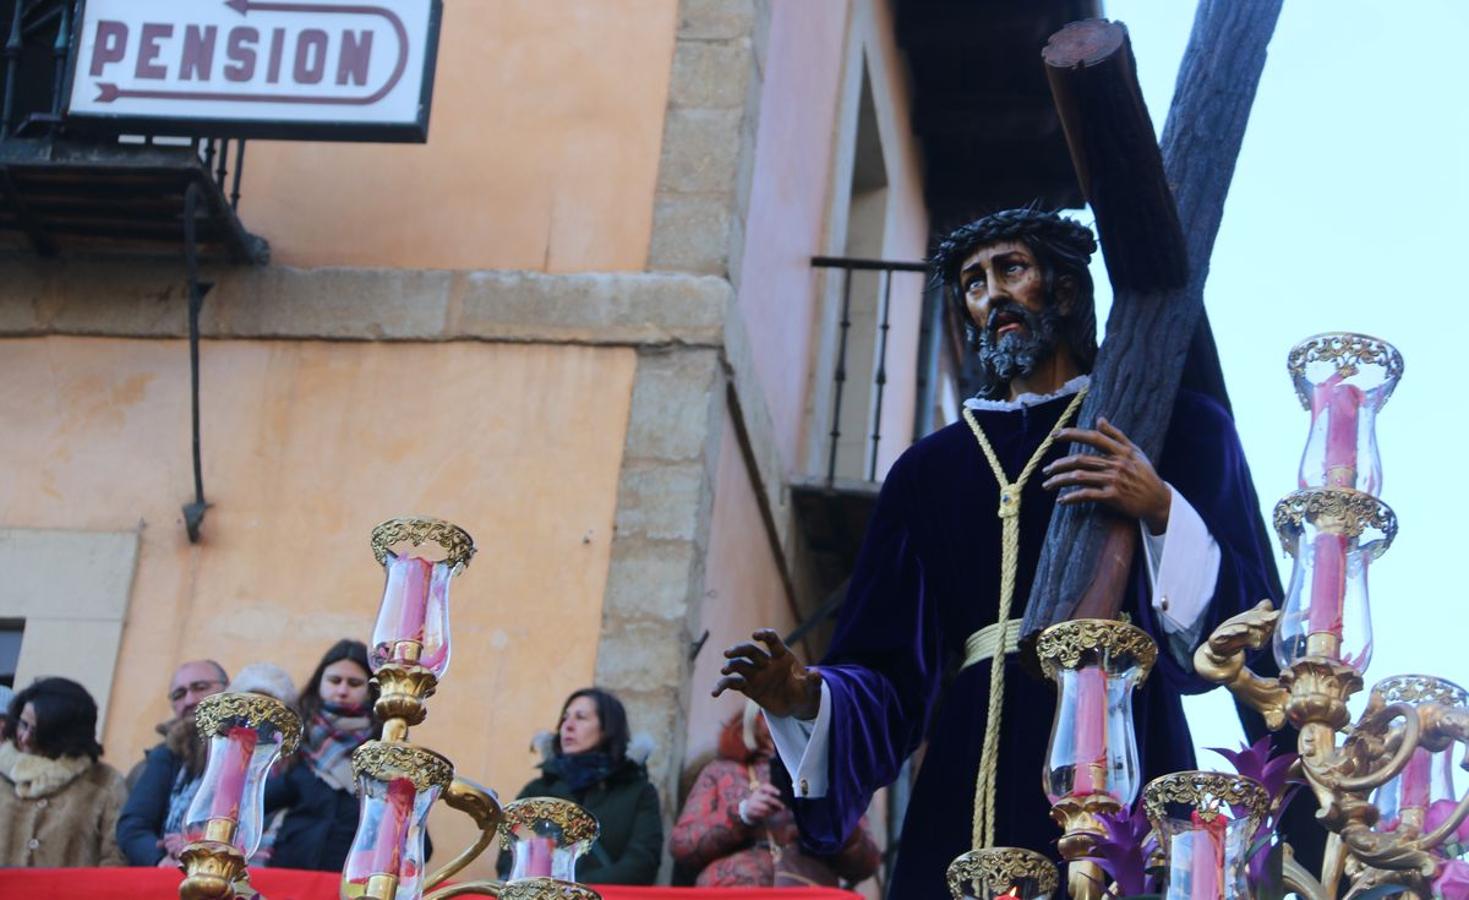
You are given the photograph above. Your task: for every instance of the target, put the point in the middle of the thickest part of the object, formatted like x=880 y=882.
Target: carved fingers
x=1119 y=475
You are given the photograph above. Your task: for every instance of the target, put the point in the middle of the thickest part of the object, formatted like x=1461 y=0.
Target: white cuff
x=803 y=747
x=1183 y=564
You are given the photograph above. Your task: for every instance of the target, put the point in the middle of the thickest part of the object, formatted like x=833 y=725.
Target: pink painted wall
x=789 y=201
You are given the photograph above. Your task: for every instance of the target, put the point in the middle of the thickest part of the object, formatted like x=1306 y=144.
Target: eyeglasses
x=193 y=687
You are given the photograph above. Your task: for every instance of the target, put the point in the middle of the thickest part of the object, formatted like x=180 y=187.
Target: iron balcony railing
x=40 y=38
x=861 y=361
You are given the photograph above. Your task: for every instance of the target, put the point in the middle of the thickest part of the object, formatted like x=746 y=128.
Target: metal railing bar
x=13 y=46
x=851 y=264
x=239 y=170
x=840 y=379
x=882 y=371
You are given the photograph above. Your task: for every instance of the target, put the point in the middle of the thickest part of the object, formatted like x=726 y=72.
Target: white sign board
x=285 y=69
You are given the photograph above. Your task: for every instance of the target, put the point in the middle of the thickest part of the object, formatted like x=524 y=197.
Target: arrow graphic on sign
x=107 y=92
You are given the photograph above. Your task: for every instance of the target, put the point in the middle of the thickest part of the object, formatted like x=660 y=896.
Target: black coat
x=140 y=824
x=625 y=805
x=320 y=821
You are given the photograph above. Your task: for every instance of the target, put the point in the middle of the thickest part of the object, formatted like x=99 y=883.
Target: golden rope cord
x=1009 y=513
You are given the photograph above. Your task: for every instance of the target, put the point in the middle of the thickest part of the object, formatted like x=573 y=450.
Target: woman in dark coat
x=318 y=789
x=588 y=762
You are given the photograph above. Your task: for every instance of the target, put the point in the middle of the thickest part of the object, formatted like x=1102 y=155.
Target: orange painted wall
x=543 y=151
x=308 y=445
x=788 y=202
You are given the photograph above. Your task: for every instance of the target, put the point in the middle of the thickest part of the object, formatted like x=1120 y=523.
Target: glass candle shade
x=1096 y=665
x=412 y=627
x=1428 y=778
x=546 y=889
x=546 y=837
x=397 y=784
x=246 y=733
x=1333 y=536
x=1343 y=380
x=998 y=873
x=1206 y=823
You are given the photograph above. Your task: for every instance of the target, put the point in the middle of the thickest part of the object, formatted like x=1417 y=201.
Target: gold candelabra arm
x=1299 y=879
x=1077 y=816
x=1221 y=659
x=480 y=805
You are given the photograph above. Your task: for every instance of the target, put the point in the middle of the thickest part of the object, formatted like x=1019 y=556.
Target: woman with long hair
x=58 y=802
x=736 y=831
x=592 y=760
x=318 y=789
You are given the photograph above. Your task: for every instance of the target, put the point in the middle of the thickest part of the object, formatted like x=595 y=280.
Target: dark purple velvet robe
x=928 y=577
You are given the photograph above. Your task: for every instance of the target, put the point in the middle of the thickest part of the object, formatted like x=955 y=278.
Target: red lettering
x=310 y=56
x=111 y=44
x=198 y=58
x=148 y=50
x=240 y=48
x=355 y=58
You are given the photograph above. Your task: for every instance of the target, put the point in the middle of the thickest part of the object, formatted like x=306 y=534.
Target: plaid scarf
x=330 y=740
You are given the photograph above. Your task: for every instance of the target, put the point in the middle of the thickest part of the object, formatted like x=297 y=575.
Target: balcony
x=65 y=190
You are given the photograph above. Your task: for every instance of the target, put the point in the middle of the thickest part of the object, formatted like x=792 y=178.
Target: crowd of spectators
x=62 y=806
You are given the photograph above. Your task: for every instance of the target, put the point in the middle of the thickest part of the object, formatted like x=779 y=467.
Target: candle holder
x=1427 y=782
x=1092 y=764
x=1002 y=873
x=1333 y=535
x=1343 y=380
x=247 y=733
x=396 y=784
x=1206 y=822
x=546 y=837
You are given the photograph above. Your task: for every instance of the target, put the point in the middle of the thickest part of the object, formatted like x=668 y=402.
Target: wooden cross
x=1157 y=214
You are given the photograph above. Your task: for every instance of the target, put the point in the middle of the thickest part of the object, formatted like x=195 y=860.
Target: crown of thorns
x=1066 y=235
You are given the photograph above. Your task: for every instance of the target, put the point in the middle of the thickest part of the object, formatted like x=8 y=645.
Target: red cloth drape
x=286 y=884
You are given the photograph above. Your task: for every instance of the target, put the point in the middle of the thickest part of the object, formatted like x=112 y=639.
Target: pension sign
x=309 y=70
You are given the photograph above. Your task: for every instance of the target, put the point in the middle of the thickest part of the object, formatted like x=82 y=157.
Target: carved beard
x=1004 y=357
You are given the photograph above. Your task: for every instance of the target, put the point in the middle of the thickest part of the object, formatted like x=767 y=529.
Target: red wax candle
x=1328 y=585
x=392 y=827
x=1206 y=865
x=1416 y=781
x=538 y=857
x=1340 y=403
x=229 y=792
x=1091 y=732
x=412 y=574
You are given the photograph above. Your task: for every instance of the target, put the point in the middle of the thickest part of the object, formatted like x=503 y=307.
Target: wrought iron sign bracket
x=194 y=512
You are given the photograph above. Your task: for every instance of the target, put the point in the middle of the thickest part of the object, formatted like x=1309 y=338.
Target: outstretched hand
x=1119 y=476
x=771 y=676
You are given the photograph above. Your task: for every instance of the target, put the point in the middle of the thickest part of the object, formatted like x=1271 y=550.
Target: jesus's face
x=1006 y=295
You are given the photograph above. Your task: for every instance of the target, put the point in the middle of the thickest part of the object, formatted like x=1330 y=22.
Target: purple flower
x=1123 y=850
x=1452 y=881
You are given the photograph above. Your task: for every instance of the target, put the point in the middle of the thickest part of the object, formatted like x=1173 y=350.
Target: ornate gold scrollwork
x=1210 y=794
x=1001 y=868
x=1420 y=689
x=1221 y=659
x=213 y=868
x=546 y=889
x=1063 y=645
x=456 y=543
x=576 y=824
x=1349 y=352
x=480 y=805
x=214 y=714
x=383 y=760
x=1334 y=511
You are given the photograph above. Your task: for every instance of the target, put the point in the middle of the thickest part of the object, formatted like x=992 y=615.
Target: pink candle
x=1206 y=864
x=1416 y=781
x=387 y=852
x=538 y=853
x=412 y=575
x=1340 y=403
x=1091 y=731
x=229 y=792
x=1328 y=585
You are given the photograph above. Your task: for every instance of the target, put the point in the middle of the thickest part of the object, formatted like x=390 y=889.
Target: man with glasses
x=150 y=825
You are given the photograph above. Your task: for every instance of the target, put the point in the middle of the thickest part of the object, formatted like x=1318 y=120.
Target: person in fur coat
x=736 y=831
x=593 y=761
x=58 y=803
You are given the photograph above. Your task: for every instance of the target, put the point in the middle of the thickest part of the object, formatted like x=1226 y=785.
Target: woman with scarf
x=58 y=803
x=589 y=762
x=317 y=790
x=736 y=831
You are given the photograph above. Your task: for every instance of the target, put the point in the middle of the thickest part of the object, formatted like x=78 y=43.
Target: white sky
x=1347 y=213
